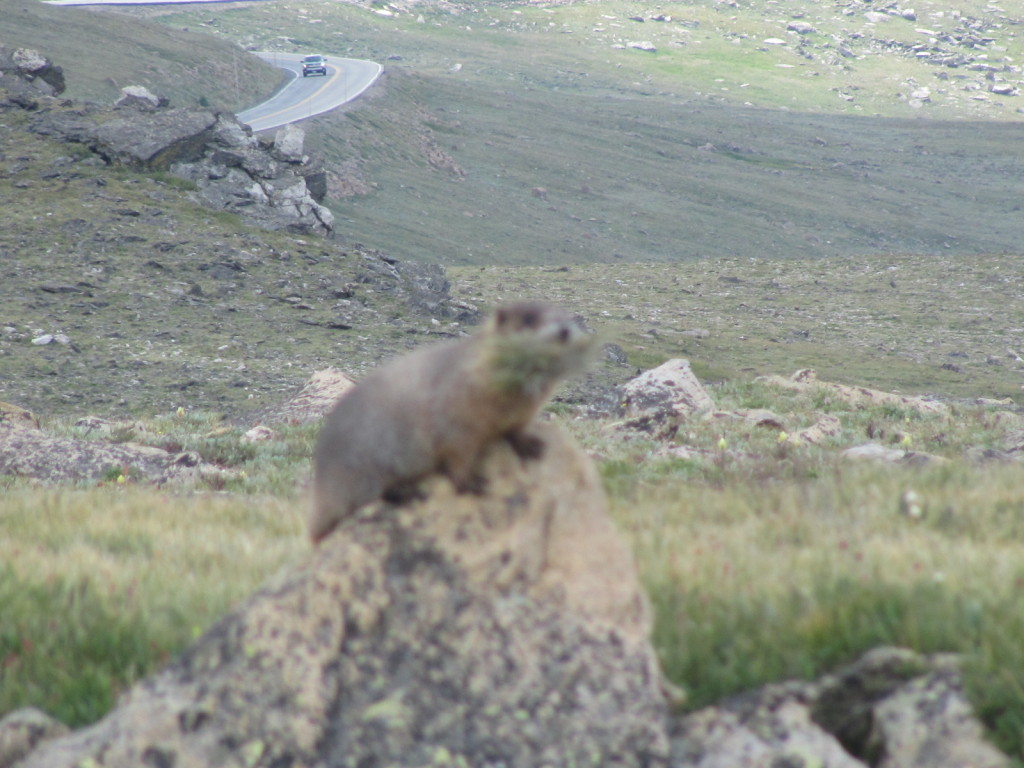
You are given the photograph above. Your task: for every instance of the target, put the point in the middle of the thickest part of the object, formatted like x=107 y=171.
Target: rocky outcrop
x=893 y=708
x=320 y=392
x=501 y=629
x=28 y=451
x=154 y=141
x=806 y=380
x=271 y=183
x=656 y=401
x=29 y=67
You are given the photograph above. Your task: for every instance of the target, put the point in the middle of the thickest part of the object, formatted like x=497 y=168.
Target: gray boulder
x=288 y=142
x=157 y=140
x=31 y=67
x=892 y=708
x=141 y=98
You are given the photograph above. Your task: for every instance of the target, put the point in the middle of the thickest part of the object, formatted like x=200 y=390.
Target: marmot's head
x=534 y=345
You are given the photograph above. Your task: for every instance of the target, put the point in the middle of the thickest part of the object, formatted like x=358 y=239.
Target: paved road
x=304 y=97
x=301 y=97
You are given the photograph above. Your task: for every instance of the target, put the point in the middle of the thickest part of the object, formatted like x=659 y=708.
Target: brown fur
x=435 y=410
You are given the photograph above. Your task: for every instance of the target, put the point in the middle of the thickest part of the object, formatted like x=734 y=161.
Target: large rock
x=141 y=98
x=31 y=67
x=317 y=396
x=672 y=386
x=506 y=629
x=892 y=708
x=154 y=141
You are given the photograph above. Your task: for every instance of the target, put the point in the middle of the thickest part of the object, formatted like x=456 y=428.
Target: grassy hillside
x=514 y=133
x=102 y=51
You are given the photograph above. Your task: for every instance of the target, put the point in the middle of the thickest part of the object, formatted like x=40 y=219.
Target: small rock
x=23 y=730
x=258 y=434
x=800 y=27
x=140 y=97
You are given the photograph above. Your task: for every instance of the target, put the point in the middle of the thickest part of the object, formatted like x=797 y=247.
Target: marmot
x=435 y=409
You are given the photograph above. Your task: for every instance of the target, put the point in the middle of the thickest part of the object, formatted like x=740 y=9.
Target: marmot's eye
x=563 y=334
x=530 y=320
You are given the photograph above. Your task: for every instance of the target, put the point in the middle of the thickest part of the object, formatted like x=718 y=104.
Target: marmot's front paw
x=525 y=445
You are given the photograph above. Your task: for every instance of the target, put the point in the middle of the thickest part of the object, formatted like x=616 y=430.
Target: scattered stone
x=800 y=27
x=141 y=98
x=876 y=452
x=643 y=45
x=774 y=41
x=758 y=417
x=15 y=417
x=59 y=288
x=825 y=428
x=806 y=380
x=613 y=353
x=156 y=140
x=33 y=453
x=272 y=186
x=259 y=434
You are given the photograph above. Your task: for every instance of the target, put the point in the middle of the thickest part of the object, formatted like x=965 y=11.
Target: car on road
x=314 y=64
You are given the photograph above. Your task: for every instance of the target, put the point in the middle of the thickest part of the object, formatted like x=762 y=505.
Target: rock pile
x=271 y=183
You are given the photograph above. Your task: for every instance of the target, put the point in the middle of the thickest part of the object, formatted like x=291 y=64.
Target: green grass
x=70 y=651
x=101 y=587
